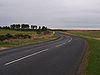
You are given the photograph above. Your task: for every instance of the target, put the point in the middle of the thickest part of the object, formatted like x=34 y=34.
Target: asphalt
x=59 y=57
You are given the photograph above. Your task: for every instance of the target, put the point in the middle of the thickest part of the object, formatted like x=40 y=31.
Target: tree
x=5 y=27
x=0 y=27
x=33 y=27
x=25 y=26
x=39 y=28
x=17 y=26
x=44 y=28
x=13 y=26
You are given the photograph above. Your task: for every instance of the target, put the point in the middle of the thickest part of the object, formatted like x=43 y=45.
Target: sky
x=61 y=14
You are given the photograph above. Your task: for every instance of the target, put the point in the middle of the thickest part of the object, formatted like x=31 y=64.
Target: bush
x=3 y=37
x=27 y=36
x=46 y=32
x=9 y=36
x=17 y=36
x=38 y=32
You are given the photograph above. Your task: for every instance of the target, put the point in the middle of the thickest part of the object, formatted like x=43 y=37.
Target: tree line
x=24 y=26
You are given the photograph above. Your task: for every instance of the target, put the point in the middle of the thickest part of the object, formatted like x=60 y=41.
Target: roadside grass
x=3 y=31
x=93 y=67
x=35 y=38
x=21 y=43
x=94 y=58
x=92 y=34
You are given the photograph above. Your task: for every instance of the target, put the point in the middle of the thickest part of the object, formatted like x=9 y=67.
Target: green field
x=93 y=67
x=93 y=34
x=2 y=31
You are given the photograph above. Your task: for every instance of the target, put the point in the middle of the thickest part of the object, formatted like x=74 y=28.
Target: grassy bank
x=3 y=31
x=93 y=37
x=35 y=38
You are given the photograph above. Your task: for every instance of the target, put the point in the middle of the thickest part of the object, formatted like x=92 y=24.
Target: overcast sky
x=52 y=13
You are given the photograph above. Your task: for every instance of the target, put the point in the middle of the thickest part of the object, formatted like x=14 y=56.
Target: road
x=59 y=57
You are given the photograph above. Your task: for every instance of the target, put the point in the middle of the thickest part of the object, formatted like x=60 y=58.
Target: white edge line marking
x=25 y=57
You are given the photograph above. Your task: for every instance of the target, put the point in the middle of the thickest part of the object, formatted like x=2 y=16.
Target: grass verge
x=35 y=38
x=3 y=31
x=4 y=45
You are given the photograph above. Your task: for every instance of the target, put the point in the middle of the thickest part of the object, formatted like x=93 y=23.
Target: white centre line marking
x=70 y=40
x=32 y=55
x=25 y=57
x=60 y=45
x=64 y=43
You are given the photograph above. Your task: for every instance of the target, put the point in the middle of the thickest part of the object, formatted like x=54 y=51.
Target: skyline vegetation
x=24 y=26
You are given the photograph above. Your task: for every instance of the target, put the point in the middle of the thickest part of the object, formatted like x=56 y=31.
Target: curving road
x=59 y=57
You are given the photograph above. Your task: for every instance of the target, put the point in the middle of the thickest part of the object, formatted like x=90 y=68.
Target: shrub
x=16 y=36
x=27 y=36
x=9 y=36
x=38 y=32
x=3 y=37
x=46 y=32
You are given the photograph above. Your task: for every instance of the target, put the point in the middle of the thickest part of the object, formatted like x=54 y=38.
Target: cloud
x=53 y=13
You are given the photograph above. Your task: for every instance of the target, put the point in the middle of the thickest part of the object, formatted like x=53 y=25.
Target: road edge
x=81 y=69
x=83 y=60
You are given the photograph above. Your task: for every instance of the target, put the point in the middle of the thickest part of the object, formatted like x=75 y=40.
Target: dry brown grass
x=33 y=37
x=1 y=48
